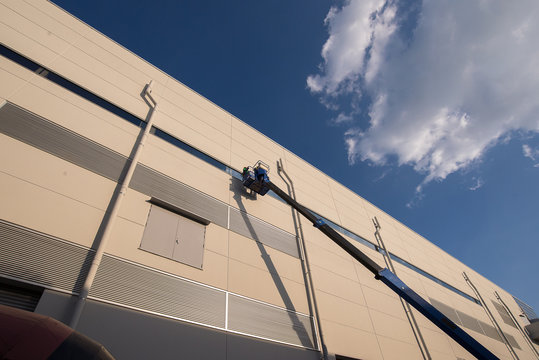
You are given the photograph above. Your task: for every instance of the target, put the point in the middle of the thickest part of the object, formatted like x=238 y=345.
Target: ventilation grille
x=490 y=331
x=56 y=140
x=250 y=317
x=446 y=310
x=512 y=341
x=18 y=297
x=469 y=322
x=41 y=259
x=503 y=314
x=155 y=184
x=128 y=284
x=251 y=227
x=472 y=323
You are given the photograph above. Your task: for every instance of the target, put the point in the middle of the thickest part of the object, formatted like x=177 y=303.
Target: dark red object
x=27 y=335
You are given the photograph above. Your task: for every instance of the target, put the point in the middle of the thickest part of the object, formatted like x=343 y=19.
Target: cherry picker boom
x=256 y=179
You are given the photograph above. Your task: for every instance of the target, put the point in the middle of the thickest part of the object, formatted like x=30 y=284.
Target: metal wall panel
x=64 y=143
x=469 y=322
x=59 y=141
x=250 y=317
x=472 y=323
x=174 y=236
x=446 y=310
x=189 y=243
x=125 y=283
x=253 y=228
x=490 y=331
x=41 y=259
x=160 y=232
x=160 y=186
x=503 y=314
x=512 y=341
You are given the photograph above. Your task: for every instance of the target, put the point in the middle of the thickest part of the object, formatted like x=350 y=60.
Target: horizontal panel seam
x=267 y=270
x=73 y=104
x=65 y=58
x=53 y=191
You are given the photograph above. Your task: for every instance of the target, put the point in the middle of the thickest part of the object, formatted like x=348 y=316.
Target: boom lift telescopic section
x=256 y=179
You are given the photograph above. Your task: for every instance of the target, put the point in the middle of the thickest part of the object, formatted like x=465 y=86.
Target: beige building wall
x=359 y=316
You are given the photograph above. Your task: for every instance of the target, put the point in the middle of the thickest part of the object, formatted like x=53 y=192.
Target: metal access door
x=189 y=242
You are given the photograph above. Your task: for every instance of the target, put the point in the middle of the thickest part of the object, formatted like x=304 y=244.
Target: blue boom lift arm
x=256 y=179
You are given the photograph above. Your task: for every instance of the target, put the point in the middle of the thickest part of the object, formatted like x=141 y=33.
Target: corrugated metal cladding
x=512 y=341
x=41 y=259
x=128 y=284
x=56 y=140
x=469 y=322
x=490 y=331
x=18 y=297
x=503 y=314
x=266 y=321
x=51 y=262
x=132 y=285
x=446 y=310
x=155 y=184
x=59 y=141
x=476 y=325
x=251 y=227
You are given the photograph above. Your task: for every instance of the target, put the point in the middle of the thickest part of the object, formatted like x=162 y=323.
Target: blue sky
x=429 y=109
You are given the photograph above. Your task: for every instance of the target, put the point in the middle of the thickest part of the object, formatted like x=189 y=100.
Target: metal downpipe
x=110 y=217
x=522 y=332
x=491 y=317
x=306 y=269
x=407 y=309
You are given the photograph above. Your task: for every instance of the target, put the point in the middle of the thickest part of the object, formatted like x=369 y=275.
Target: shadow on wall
x=240 y=195
x=313 y=307
x=107 y=217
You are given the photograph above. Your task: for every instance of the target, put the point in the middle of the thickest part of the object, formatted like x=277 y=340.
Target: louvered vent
x=128 y=284
x=19 y=297
x=155 y=184
x=59 y=141
x=469 y=322
x=503 y=314
x=42 y=259
x=512 y=341
x=251 y=227
x=490 y=331
x=446 y=310
x=250 y=317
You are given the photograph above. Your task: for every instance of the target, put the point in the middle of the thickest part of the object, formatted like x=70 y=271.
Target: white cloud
x=533 y=154
x=447 y=82
x=382 y=176
x=351 y=32
x=342 y=118
x=528 y=152
x=418 y=196
x=478 y=184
